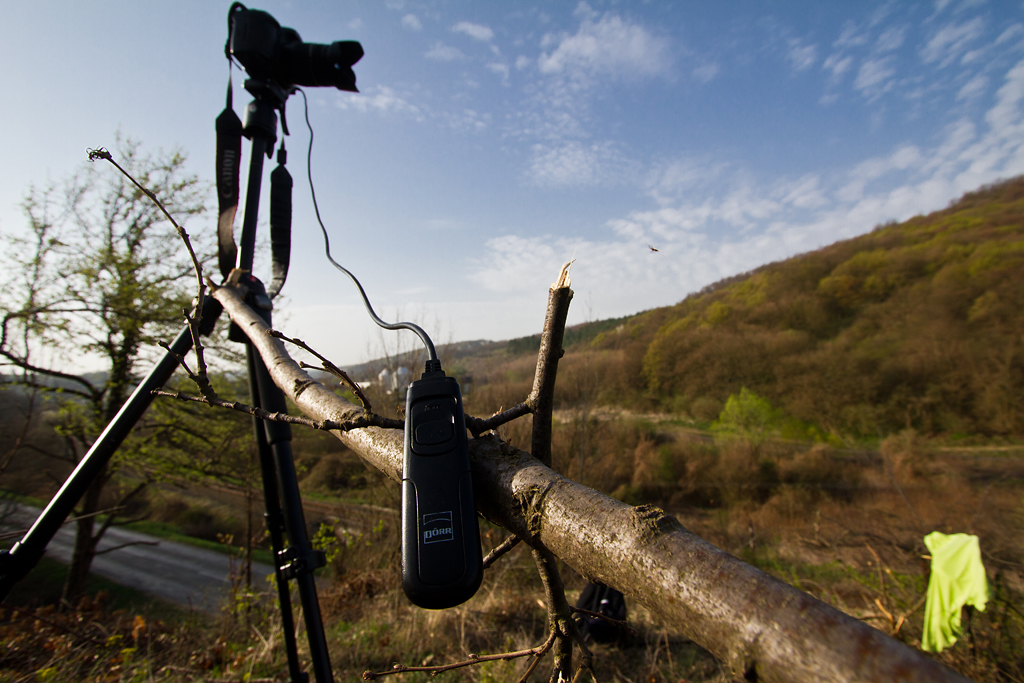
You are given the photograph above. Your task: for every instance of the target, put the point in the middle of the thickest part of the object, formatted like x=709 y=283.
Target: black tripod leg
x=24 y=555
x=301 y=557
x=275 y=524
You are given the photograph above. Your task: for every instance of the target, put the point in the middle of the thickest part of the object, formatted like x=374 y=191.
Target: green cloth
x=958 y=579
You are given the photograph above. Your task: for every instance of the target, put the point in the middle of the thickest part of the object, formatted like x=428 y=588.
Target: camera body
x=271 y=52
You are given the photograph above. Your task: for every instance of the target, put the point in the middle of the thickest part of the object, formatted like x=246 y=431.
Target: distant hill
x=918 y=324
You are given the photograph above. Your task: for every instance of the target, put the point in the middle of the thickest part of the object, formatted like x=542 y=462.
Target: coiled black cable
x=412 y=327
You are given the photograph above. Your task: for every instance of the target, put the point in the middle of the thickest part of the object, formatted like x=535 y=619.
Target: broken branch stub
x=761 y=628
x=542 y=397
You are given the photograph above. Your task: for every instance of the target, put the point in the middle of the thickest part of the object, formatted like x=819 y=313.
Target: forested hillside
x=917 y=324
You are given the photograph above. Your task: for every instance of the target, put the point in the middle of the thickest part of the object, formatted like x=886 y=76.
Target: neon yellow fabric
x=957 y=579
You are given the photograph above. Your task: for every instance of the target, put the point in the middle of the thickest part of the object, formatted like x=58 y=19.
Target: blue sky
x=492 y=142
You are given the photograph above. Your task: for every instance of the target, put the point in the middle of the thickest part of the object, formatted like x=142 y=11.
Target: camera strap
x=280 y=221
x=229 y=159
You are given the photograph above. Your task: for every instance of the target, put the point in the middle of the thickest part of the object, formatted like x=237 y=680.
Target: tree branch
x=329 y=367
x=124 y=545
x=560 y=619
x=755 y=624
x=495 y=554
x=542 y=397
x=478 y=426
x=358 y=422
x=537 y=652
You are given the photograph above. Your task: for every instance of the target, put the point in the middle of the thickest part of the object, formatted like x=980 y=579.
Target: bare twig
x=478 y=426
x=559 y=617
x=328 y=366
x=604 y=617
x=194 y=319
x=505 y=546
x=541 y=398
x=69 y=520
x=538 y=652
x=365 y=420
x=125 y=545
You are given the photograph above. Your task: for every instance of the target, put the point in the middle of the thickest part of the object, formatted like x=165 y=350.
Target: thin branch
x=120 y=506
x=604 y=617
x=192 y=320
x=505 y=546
x=328 y=366
x=541 y=398
x=124 y=545
x=478 y=426
x=366 y=420
x=559 y=616
x=69 y=520
x=473 y=660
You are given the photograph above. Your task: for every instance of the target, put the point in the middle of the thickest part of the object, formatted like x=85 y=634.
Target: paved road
x=176 y=572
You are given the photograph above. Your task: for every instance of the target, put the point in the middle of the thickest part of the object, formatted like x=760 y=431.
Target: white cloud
x=890 y=40
x=851 y=36
x=444 y=53
x=500 y=69
x=706 y=72
x=1011 y=32
x=801 y=56
x=610 y=46
x=469 y=119
x=522 y=61
x=1006 y=115
x=873 y=77
x=838 y=65
x=381 y=99
x=973 y=88
x=477 y=31
x=715 y=221
x=411 y=22
x=949 y=41
x=575 y=163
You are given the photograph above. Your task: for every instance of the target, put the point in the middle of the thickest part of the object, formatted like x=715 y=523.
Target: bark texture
x=763 y=629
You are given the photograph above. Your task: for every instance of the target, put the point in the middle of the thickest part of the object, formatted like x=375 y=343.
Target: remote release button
x=436 y=432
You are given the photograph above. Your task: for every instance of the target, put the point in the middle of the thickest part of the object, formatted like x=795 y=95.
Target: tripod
x=294 y=557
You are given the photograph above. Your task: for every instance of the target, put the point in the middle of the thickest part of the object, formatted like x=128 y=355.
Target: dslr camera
x=276 y=53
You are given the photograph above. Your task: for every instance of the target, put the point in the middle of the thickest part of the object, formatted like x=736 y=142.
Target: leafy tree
x=94 y=282
x=748 y=416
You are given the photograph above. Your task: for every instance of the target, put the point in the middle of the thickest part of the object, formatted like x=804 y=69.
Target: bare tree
x=96 y=274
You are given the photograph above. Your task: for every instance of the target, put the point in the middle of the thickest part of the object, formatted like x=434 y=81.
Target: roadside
x=177 y=572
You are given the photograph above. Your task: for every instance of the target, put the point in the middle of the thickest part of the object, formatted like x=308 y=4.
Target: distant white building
x=392 y=382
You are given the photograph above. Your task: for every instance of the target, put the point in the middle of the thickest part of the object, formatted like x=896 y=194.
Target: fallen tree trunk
x=763 y=629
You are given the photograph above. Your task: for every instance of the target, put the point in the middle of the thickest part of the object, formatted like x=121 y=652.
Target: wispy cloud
x=950 y=41
x=838 y=65
x=477 y=31
x=500 y=69
x=891 y=39
x=410 y=21
x=801 y=56
x=706 y=73
x=576 y=164
x=709 y=229
x=874 y=77
x=973 y=88
x=380 y=99
x=444 y=53
x=609 y=45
